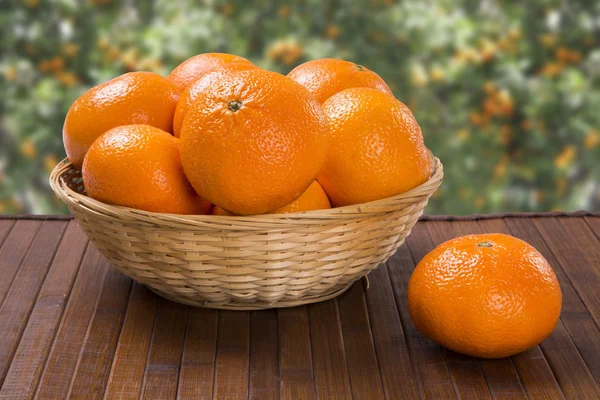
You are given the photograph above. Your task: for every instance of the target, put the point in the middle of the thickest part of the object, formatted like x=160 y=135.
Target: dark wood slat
x=13 y=251
x=329 y=360
x=295 y=359
x=233 y=355
x=129 y=362
x=55 y=380
x=363 y=366
x=28 y=362
x=199 y=354
x=466 y=372
x=264 y=357
x=20 y=299
x=594 y=223
x=533 y=369
x=397 y=373
x=95 y=360
x=427 y=356
x=164 y=358
x=6 y=226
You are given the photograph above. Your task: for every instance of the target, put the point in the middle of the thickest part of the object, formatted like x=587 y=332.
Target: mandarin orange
x=194 y=67
x=191 y=91
x=377 y=148
x=132 y=98
x=328 y=76
x=138 y=166
x=487 y=295
x=314 y=198
x=253 y=142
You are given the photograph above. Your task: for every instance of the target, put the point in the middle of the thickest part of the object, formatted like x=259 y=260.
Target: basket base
x=257 y=305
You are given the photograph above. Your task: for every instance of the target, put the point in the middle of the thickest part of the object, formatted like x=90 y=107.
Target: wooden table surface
x=72 y=326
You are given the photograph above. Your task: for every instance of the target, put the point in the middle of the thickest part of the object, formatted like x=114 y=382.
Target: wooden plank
x=264 y=360
x=55 y=380
x=6 y=226
x=533 y=369
x=295 y=359
x=233 y=355
x=28 y=362
x=594 y=223
x=129 y=362
x=329 y=362
x=164 y=358
x=93 y=367
x=427 y=356
x=199 y=354
x=363 y=366
x=466 y=372
x=397 y=373
x=13 y=251
x=20 y=299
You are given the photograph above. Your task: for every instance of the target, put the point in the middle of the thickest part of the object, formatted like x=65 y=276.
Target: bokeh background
x=507 y=93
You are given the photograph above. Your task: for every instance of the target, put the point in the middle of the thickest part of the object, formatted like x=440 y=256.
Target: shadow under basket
x=252 y=262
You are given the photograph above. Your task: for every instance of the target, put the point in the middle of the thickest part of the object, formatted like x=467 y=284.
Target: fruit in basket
x=314 y=198
x=132 y=98
x=377 y=150
x=488 y=295
x=328 y=76
x=194 y=67
x=253 y=142
x=138 y=166
x=191 y=92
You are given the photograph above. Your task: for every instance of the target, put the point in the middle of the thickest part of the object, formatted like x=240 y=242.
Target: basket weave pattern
x=252 y=262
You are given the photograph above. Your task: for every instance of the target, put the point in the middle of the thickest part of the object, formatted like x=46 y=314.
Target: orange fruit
x=489 y=295
x=253 y=142
x=328 y=76
x=377 y=148
x=194 y=67
x=132 y=98
x=314 y=198
x=191 y=91
x=138 y=166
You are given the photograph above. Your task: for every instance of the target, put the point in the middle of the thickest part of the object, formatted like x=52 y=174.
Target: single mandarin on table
x=192 y=91
x=486 y=295
x=328 y=76
x=314 y=198
x=194 y=67
x=132 y=98
x=138 y=166
x=253 y=142
x=376 y=151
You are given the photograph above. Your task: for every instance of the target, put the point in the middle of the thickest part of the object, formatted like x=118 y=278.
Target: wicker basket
x=246 y=263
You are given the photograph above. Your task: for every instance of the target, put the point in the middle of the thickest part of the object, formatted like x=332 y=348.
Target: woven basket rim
x=73 y=198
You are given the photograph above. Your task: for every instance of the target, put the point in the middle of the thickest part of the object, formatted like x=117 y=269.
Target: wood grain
x=233 y=355
x=199 y=355
x=295 y=359
x=129 y=363
x=72 y=326
x=62 y=360
x=164 y=358
x=30 y=357
x=329 y=362
x=23 y=292
x=264 y=357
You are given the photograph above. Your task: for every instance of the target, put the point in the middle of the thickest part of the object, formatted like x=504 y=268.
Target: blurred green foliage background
x=507 y=93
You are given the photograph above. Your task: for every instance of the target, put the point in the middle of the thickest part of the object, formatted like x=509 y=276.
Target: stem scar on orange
x=253 y=142
x=328 y=76
x=488 y=295
x=138 y=166
x=194 y=67
x=132 y=98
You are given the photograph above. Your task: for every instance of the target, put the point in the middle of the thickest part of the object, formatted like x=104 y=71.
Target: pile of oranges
x=221 y=135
